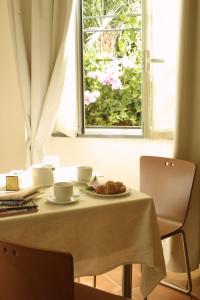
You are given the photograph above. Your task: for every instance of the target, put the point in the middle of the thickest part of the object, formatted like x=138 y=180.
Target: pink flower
x=101 y=77
x=116 y=84
x=90 y=97
x=110 y=76
x=114 y=69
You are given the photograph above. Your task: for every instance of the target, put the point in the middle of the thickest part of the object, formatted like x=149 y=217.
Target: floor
x=111 y=282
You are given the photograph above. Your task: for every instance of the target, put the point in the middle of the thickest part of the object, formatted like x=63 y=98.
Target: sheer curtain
x=187 y=136
x=40 y=34
x=68 y=116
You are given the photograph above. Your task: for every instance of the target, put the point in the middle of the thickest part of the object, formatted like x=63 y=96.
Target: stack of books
x=17 y=203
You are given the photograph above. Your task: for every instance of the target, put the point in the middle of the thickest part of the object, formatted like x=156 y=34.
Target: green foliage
x=113 y=64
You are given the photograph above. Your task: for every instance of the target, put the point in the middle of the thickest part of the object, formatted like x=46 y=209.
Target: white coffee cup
x=84 y=173
x=42 y=175
x=63 y=191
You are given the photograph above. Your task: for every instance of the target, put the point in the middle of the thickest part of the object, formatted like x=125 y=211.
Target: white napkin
x=19 y=195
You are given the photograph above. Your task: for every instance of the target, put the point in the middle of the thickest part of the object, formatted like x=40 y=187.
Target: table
x=100 y=233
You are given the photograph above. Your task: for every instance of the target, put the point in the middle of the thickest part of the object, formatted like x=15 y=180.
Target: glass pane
x=164 y=46
x=112 y=62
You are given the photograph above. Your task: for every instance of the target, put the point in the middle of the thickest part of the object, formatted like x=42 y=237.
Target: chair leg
x=189 y=283
x=188 y=289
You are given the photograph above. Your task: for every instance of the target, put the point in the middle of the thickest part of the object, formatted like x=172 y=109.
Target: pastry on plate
x=110 y=188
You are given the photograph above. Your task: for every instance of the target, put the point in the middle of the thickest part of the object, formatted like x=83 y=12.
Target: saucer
x=52 y=199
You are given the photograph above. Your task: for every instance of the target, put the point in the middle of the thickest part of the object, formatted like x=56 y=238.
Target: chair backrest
x=35 y=274
x=169 y=181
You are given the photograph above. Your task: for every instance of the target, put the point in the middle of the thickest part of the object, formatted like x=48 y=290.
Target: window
x=123 y=79
x=112 y=72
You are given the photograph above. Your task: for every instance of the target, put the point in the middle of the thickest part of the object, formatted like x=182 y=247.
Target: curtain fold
x=40 y=34
x=187 y=137
x=68 y=117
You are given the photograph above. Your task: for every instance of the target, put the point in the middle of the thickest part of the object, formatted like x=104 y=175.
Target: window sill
x=112 y=132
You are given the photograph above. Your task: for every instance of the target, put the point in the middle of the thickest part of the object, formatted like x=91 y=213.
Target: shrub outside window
x=112 y=64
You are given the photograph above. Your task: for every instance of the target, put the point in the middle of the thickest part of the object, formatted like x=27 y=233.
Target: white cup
x=42 y=175
x=63 y=191
x=84 y=173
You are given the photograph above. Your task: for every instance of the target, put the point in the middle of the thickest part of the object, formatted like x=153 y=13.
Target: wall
x=116 y=158
x=12 y=149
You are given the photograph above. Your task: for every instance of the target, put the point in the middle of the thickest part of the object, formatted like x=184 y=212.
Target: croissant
x=110 y=188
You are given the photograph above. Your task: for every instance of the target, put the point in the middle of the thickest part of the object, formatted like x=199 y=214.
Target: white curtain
x=187 y=137
x=68 y=114
x=40 y=34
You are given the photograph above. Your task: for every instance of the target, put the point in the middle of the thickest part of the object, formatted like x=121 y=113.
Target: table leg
x=127 y=281
x=94 y=281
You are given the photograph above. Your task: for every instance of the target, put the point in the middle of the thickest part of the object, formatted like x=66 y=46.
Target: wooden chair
x=169 y=181
x=35 y=274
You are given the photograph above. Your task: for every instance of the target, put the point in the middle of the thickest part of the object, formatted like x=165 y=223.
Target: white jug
x=42 y=175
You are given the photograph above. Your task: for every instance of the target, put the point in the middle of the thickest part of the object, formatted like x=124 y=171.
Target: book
x=15 y=212
x=15 y=202
x=12 y=207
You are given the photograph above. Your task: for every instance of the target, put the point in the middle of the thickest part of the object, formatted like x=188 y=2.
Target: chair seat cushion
x=84 y=292
x=167 y=227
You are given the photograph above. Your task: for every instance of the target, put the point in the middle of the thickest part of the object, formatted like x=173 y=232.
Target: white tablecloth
x=100 y=233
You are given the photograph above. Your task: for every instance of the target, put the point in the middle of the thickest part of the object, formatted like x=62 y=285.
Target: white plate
x=74 y=199
x=93 y=193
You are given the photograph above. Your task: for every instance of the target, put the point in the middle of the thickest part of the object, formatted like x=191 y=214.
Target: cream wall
x=117 y=158
x=11 y=121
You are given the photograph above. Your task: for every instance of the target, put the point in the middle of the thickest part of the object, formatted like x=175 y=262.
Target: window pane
x=112 y=63
x=164 y=81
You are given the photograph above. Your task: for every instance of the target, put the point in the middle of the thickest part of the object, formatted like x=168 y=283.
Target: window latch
x=146 y=61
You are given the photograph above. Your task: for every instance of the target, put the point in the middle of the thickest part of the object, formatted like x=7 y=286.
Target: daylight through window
x=112 y=64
